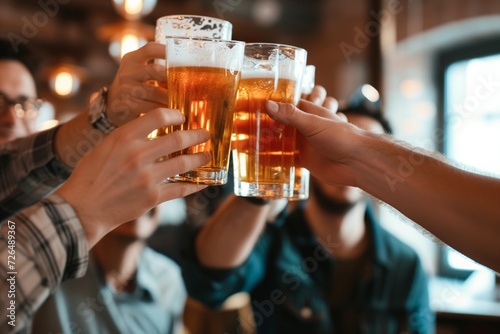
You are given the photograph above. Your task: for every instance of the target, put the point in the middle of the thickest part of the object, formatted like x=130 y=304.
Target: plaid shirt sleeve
x=29 y=171
x=47 y=245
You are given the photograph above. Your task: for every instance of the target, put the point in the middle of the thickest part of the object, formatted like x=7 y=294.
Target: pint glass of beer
x=265 y=156
x=202 y=78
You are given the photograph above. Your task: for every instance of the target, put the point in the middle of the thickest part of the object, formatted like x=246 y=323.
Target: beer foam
x=285 y=69
x=268 y=60
x=204 y=52
x=192 y=26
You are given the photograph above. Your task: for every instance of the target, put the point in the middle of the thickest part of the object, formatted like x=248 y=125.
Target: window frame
x=444 y=59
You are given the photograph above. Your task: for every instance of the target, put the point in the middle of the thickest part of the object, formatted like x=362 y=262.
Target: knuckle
x=155 y=70
x=178 y=139
x=321 y=90
x=134 y=160
x=161 y=117
x=148 y=45
x=290 y=109
x=126 y=57
x=183 y=163
x=143 y=180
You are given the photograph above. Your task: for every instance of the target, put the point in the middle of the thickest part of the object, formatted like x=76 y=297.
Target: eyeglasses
x=24 y=107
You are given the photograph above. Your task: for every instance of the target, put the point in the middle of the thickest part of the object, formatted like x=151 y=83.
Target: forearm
x=458 y=207
x=230 y=234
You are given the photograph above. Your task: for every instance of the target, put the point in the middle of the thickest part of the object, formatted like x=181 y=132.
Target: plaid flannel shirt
x=43 y=244
x=29 y=171
x=49 y=247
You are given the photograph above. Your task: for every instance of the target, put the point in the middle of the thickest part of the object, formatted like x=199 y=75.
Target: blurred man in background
x=128 y=288
x=326 y=267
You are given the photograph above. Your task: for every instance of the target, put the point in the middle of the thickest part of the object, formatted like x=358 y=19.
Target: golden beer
x=206 y=96
x=202 y=79
x=265 y=155
x=264 y=150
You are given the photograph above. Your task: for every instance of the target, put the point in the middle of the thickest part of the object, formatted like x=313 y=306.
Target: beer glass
x=202 y=78
x=187 y=26
x=265 y=156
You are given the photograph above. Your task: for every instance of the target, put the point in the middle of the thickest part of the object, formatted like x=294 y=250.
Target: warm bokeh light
x=425 y=109
x=134 y=9
x=266 y=12
x=129 y=43
x=124 y=43
x=370 y=93
x=411 y=88
x=63 y=83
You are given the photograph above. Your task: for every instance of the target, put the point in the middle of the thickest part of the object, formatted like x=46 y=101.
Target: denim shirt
x=289 y=277
x=89 y=305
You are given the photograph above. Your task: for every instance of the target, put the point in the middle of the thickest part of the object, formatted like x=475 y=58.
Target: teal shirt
x=89 y=306
x=289 y=276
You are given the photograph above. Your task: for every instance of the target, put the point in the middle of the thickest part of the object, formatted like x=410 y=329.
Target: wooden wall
x=341 y=36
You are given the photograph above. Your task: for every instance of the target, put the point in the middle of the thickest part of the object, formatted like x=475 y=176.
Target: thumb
x=308 y=123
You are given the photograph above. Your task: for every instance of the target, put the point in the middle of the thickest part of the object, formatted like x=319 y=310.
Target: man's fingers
x=317 y=95
x=141 y=127
x=170 y=191
x=331 y=103
x=143 y=73
x=178 y=140
x=308 y=122
x=312 y=108
x=179 y=165
x=288 y=113
x=342 y=116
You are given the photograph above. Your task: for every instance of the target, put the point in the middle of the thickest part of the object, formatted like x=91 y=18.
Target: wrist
x=377 y=163
x=74 y=139
x=93 y=229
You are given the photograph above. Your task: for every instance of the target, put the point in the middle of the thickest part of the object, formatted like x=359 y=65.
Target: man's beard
x=329 y=205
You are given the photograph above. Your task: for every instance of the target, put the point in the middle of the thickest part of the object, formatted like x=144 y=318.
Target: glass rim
x=276 y=46
x=205 y=39
x=181 y=16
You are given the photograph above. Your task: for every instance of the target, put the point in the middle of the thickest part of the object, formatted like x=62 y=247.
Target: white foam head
x=192 y=26
x=273 y=61
x=204 y=52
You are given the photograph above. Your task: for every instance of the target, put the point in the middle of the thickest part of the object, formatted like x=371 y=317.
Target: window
x=470 y=123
